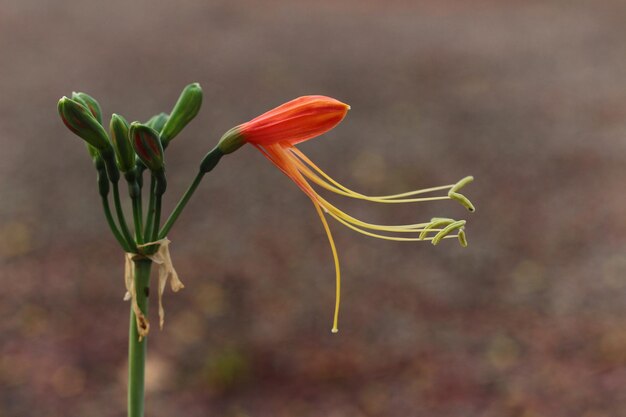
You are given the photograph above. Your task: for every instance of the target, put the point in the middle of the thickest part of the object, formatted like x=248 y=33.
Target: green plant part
x=90 y=103
x=82 y=123
x=158 y=121
x=124 y=153
x=186 y=108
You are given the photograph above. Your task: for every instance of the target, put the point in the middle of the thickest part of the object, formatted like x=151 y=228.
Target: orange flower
x=276 y=132
x=293 y=122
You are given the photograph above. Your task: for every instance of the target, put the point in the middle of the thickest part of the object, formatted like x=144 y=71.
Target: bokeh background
x=528 y=321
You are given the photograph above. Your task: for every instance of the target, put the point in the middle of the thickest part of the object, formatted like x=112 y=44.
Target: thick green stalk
x=137 y=350
x=181 y=205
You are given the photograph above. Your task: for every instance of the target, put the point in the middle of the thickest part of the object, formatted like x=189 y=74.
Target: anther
x=435 y=223
x=454 y=195
x=446 y=231
x=462 y=238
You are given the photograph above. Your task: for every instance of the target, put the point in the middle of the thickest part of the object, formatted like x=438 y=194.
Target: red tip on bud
x=147 y=145
x=80 y=121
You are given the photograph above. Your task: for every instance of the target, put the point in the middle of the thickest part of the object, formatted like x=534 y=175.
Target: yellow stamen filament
x=335 y=329
x=301 y=170
x=379 y=236
x=298 y=157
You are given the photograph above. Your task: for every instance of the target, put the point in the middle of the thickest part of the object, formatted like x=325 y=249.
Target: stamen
x=349 y=193
x=435 y=222
x=295 y=151
x=335 y=329
x=377 y=235
x=394 y=228
x=454 y=195
x=446 y=230
x=294 y=165
x=462 y=238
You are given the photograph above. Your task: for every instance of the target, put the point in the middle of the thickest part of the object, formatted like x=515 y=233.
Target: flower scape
x=128 y=150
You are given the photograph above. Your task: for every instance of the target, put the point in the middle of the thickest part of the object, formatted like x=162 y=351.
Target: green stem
x=137 y=350
x=181 y=205
x=157 y=219
x=150 y=214
x=120 y=217
x=112 y=225
x=138 y=220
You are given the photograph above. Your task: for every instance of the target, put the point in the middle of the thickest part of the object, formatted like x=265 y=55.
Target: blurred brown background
x=527 y=96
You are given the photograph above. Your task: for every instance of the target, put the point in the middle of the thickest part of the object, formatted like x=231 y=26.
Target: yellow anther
x=435 y=223
x=446 y=230
x=454 y=195
x=461 y=183
x=462 y=238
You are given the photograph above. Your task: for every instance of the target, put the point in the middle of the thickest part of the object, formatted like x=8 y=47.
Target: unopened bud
x=231 y=141
x=186 y=108
x=158 y=121
x=147 y=145
x=81 y=122
x=90 y=103
x=124 y=154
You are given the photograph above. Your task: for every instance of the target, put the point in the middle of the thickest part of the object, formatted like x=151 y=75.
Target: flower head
x=276 y=133
x=295 y=121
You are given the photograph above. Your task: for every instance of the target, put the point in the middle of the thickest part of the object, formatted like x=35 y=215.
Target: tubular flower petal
x=293 y=122
x=276 y=133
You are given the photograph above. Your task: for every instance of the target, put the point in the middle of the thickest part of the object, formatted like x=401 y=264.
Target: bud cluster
x=129 y=149
x=129 y=142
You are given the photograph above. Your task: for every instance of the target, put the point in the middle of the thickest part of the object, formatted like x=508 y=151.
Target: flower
x=276 y=133
x=293 y=122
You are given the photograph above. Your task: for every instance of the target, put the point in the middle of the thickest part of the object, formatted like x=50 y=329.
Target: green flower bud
x=124 y=154
x=231 y=141
x=186 y=108
x=158 y=121
x=90 y=103
x=147 y=145
x=81 y=122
